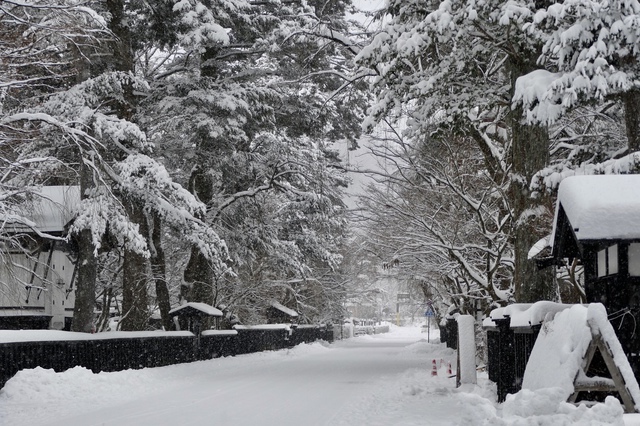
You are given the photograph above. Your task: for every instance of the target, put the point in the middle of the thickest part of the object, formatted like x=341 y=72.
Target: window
x=634 y=259
x=602 y=263
x=612 y=263
x=608 y=261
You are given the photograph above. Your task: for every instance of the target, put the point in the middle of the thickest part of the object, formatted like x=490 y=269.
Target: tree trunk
x=135 y=303
x=198 y=275
x=87 y=268
x=199 y=278
x=123 y=57
x=631 y=101
x=529 y=154
x=159 y=271
x=135 y=267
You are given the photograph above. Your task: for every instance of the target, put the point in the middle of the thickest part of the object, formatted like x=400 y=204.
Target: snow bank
x=308 y=349
x=545 y=408
x=430 y=351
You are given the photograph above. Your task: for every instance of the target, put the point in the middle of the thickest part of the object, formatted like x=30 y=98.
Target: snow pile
x=308 y=349
x=557 y=356
x=544 y=407
x=533 y=91
x=430 y=350
x=31 y=388
x=539 y=408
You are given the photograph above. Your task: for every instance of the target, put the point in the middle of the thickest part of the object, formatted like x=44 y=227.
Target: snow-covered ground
x=369 y=380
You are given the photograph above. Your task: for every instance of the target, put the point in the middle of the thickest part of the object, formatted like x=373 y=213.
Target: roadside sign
x=403 y=296
x=429 y=314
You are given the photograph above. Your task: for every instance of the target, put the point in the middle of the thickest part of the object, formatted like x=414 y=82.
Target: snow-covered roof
x=284 y=309
x=52 y=208
x=601 y=206
x=198 y=306
x=23 y=313
x=539 y=246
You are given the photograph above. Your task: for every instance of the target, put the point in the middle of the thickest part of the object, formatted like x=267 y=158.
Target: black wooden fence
x=449 y=333
x=508 y=351
x=122 y=353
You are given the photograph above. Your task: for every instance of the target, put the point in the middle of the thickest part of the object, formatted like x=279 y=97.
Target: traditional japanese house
x=37 y=279
x=597 y=220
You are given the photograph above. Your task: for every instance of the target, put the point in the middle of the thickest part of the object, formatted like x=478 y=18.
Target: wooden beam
x=586 y=363
x=616 y=383
x=621 y=386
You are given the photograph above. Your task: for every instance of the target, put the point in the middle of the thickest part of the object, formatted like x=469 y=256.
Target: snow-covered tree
x=253 y=116
x=442 y=219
x=88 y=130
x=590 y=55
x=455 y=64
x=237 y=101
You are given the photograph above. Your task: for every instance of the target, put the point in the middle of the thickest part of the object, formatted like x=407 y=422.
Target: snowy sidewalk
x=376 y=380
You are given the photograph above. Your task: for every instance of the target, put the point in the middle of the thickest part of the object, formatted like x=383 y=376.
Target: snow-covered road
x=377 y=380
x=310 y=384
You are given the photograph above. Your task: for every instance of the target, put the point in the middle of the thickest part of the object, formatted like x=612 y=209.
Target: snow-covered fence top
x=511 y=335
x=116 y=351
x=525 y=314
x=263 y=327
x=601 y=206
x=14 y=336
x=219 y=333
